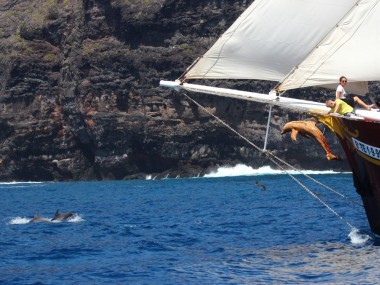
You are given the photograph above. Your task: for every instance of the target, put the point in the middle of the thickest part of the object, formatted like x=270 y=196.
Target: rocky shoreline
x=80 y=96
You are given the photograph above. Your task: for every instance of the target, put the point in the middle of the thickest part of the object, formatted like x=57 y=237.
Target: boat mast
x=267 y=131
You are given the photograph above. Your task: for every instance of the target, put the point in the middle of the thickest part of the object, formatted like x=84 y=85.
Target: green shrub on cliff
x=50 y=57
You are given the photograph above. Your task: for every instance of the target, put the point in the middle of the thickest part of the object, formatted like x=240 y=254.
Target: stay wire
x=273 y=155
x=272 y=158
x=311 y=193
x=314 y=180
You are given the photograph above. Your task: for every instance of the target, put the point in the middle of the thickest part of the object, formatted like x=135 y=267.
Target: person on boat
x=342 y=95
x=340 y=107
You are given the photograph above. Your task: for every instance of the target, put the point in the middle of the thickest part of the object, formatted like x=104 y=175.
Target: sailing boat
x=301 y=44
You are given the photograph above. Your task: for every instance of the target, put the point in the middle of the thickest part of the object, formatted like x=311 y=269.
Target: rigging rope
x=273 y=158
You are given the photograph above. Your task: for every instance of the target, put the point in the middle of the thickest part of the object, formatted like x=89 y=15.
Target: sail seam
x=337 y=48
x=336 y=26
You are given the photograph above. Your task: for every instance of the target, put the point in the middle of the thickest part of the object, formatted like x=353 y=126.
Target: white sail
x=351 y=48
x=273 y=36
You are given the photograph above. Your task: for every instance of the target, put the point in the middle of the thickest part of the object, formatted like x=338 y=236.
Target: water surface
x=186 y=231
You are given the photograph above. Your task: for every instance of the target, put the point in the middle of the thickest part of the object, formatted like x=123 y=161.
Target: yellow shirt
x=343 y=107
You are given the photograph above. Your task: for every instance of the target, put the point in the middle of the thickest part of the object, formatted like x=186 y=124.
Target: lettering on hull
x=366 y=149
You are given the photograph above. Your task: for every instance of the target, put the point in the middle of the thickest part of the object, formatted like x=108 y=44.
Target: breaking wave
x=14 y=184
x=244 y=170
x=358 y=238
x=18 y=221
x=75 y=218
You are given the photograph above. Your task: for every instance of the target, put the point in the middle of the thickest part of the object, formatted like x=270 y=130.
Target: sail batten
x=273 y=36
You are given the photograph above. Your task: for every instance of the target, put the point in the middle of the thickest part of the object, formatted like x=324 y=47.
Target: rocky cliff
x=80 y=96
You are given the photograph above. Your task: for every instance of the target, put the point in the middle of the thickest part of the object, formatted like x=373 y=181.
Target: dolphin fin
x=56 y=213
x=35 y=215
x=294 y=134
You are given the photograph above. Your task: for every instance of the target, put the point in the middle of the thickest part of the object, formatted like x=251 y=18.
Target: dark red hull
x=361 y=143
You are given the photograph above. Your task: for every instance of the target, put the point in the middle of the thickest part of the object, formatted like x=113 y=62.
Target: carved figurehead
x=309 y=129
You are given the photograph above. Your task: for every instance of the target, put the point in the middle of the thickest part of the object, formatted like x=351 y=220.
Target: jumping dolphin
x=37 y=219
x=61 y=217
x=306 y=128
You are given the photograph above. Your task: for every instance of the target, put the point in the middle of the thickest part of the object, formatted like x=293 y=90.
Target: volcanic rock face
x=80 y=96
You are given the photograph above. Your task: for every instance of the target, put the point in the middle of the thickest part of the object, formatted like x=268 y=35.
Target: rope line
x=314 y=180
x=273 y=155
x=273 y=158
x=315 y=196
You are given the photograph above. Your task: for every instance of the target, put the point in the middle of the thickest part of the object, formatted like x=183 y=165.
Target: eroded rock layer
x=80 y=96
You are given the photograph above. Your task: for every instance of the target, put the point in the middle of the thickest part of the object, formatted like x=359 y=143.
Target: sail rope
x=314 y=180
x=272 y=157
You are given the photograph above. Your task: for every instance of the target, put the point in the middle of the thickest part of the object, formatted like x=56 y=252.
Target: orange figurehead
x=306 y=129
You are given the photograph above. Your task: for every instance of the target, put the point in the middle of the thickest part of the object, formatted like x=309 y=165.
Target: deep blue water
x=186 y=231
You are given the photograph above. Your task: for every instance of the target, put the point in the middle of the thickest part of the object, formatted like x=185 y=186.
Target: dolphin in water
x=260 y=185
x=37 y=219
x=306 y=129
x=61 y=217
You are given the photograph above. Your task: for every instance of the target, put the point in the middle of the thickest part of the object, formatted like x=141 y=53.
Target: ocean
x=220 y=229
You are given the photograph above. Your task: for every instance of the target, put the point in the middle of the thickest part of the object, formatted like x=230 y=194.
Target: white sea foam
x=13 y=185
x=18 y=221
x=358 y=238
x=15 y=182
x=244 y=170
x=75 y=218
